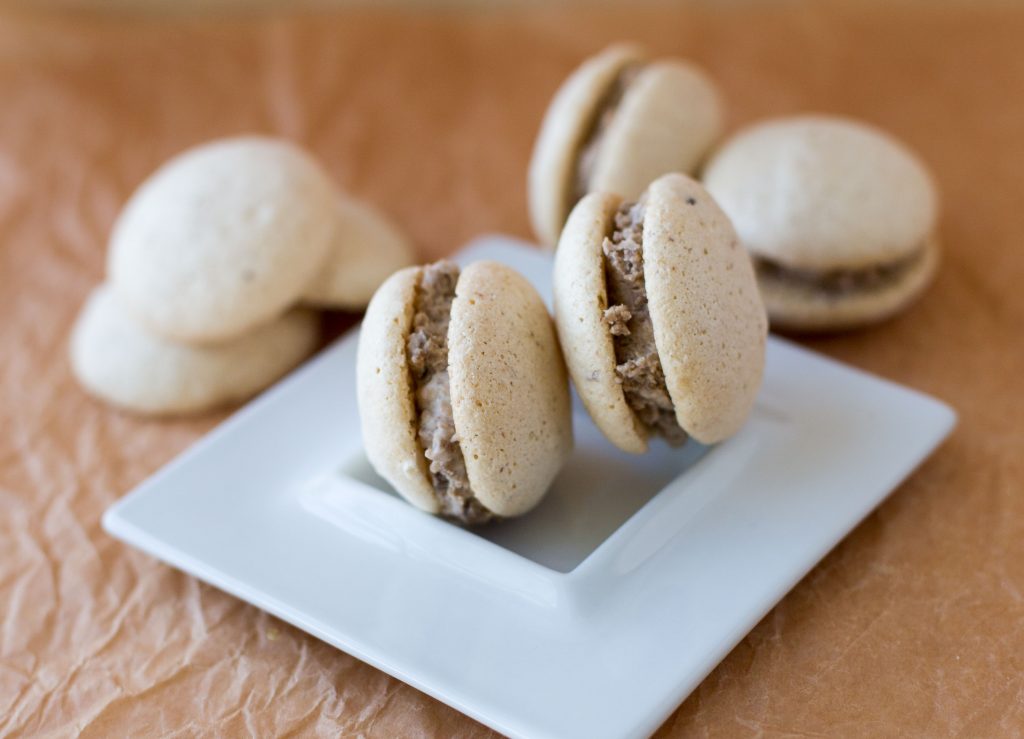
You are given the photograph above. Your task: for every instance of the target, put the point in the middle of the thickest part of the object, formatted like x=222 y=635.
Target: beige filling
x=427 y=355
x=840 y=282
x=638 y=366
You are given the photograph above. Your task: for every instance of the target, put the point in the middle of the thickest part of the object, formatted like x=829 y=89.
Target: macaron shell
x=581 y=297
x=566 y=123
x=708 y=319
x=222 y=238
x=510 y=396
x=668 y=119
x=801 y=308
x=121 y=362
x=366 y=248
x=387 y=406
x=822 y=192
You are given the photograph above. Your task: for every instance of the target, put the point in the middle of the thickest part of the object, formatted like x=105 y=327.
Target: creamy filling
x=839 y=282
x=638 y=367
x=427 y=353
x=586 y=158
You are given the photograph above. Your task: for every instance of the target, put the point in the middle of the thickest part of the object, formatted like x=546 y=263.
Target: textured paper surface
x=914 y=624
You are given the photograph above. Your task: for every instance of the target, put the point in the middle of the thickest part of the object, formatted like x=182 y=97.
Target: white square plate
x=592 y=616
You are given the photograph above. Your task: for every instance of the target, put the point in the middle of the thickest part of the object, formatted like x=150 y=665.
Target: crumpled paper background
x=914 y=624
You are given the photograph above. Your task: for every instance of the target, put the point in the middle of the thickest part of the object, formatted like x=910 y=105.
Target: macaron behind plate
x=617 y=123
x=839 y=216
x=463 y=395
x=659 y=316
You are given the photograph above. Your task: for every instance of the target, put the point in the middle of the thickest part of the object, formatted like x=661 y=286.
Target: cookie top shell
x=823 y=193
x=223 y=238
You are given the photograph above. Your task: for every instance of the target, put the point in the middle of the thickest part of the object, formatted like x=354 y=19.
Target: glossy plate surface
x=595 y=614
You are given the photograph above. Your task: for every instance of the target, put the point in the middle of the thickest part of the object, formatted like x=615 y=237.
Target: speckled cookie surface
x=668 y=119
x=222 y=238
x=510 y=397
x=366 y=248
x=795 y=307
x=821 y=192
x=387 y=409
x=568 y=118
x=580 y=299
x=709 y=322
x=121 y=362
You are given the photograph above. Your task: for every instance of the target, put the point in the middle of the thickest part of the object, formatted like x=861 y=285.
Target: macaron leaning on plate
x=463 y=396
x=617 y=123
x=659 y=316
x=839 y=216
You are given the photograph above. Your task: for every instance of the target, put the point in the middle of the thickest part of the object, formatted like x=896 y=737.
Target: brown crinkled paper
x=914 y=624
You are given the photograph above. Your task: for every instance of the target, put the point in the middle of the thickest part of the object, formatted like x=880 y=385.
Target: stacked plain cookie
x=213 y=268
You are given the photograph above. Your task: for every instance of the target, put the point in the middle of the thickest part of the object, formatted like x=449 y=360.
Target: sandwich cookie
x=840 y=219
x=617 y=123
x=658 y=315
x=223 y=238
x=121 y=362
x=462 y=391
x=365 y=250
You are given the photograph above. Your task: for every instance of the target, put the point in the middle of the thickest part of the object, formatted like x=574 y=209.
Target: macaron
x=121 y=362
x=223 y=238
x=365 y=250
x=839 y=217
x=463 y=396
x=616 y=124
x=659 y=316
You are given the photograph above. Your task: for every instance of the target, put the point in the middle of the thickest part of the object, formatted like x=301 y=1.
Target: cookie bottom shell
x=801 y=308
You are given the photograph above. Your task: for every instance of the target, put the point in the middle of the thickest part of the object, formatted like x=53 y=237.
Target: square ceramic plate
x=595 y=614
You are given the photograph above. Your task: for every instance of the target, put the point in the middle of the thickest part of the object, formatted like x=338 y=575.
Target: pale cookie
x=119 y=361
x=223 y=238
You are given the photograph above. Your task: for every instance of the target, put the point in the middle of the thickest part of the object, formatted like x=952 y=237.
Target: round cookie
x=119 y=361
x=683 y=342
x=463 y=395
x=365 y=250
x=223 y=238
x=618 y=122
x=839 y=216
